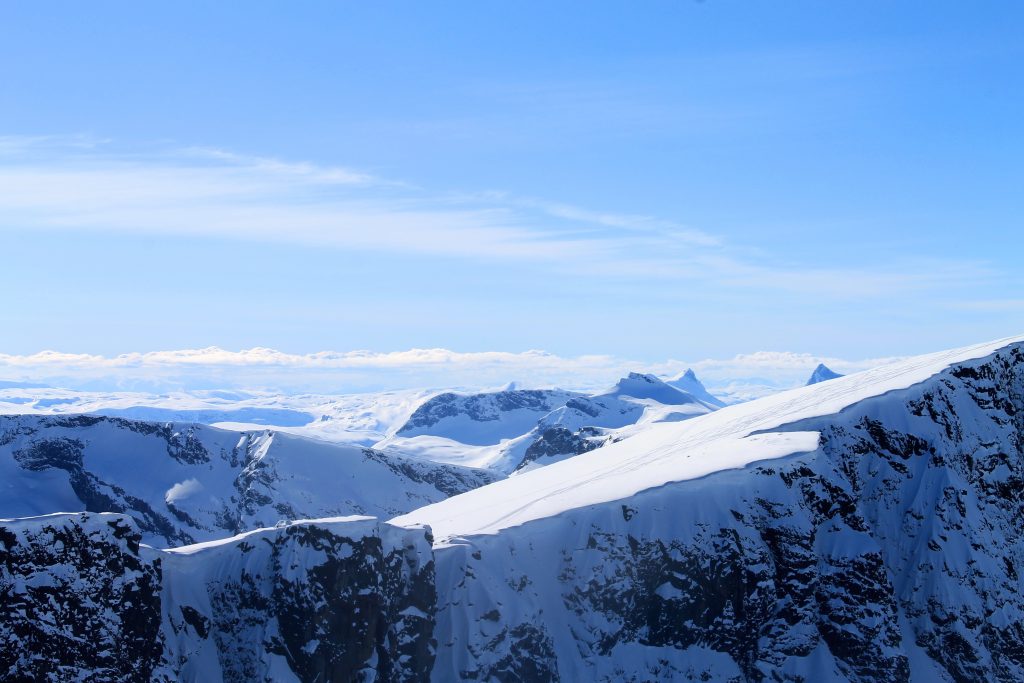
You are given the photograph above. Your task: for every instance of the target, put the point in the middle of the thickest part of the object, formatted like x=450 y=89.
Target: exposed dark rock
x=559 y=441
x=332 y=601
x=77 y=602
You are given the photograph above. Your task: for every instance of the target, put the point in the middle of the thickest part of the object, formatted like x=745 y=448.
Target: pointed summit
x=822 y=374
x=643 y=386
x=689 y=383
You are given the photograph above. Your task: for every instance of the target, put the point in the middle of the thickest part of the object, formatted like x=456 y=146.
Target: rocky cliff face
x=77 y=600
x=332 y=600
x=892 y=552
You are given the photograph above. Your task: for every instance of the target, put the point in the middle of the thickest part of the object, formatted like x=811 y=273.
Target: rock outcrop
x=348 y=599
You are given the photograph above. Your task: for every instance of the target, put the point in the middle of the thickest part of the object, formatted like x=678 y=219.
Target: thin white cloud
x=343 y=371
x=331 y=175
x=17 y=144
x=81 y=183
x=989 y=305
x=774 y=364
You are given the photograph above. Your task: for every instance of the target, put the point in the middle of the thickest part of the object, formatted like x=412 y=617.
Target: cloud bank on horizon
x=743 y=376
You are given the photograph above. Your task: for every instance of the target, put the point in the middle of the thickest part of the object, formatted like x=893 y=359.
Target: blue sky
x=648 y=181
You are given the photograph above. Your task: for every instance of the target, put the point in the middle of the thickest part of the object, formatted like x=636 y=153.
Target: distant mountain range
x=863 y=528
x=512 y=430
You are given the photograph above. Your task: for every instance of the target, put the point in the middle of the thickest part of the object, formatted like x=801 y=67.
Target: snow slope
x=863 y=529
x=184 y=483
x=732 y=437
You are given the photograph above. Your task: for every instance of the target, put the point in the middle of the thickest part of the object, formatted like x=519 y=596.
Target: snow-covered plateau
x=863 y=528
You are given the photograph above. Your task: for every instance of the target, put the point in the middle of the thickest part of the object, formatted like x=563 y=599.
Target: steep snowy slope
x=734 y=436
x=863 y=529
x=183 y=483
x=588 y=422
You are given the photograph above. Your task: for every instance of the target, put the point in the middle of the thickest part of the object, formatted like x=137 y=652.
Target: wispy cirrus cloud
x=329 y=175
x=84 y=183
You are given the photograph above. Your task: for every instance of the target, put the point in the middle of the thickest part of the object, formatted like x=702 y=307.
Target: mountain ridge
x=864 y=529
x=716 y=435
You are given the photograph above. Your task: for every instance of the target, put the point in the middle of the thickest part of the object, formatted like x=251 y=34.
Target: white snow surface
x=668 y=452
x=361 y=419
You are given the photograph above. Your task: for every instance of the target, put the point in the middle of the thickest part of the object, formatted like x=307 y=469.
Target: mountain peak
x=638 y=385
x=688 y=383
x=822 y=373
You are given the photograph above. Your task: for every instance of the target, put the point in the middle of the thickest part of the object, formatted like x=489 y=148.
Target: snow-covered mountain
x=822 y=373
x=687 y=381
x=483 y=419
x=588 y=422
x=863 y=529
x=513 y=430
x=490 y=429
x=184 y=483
